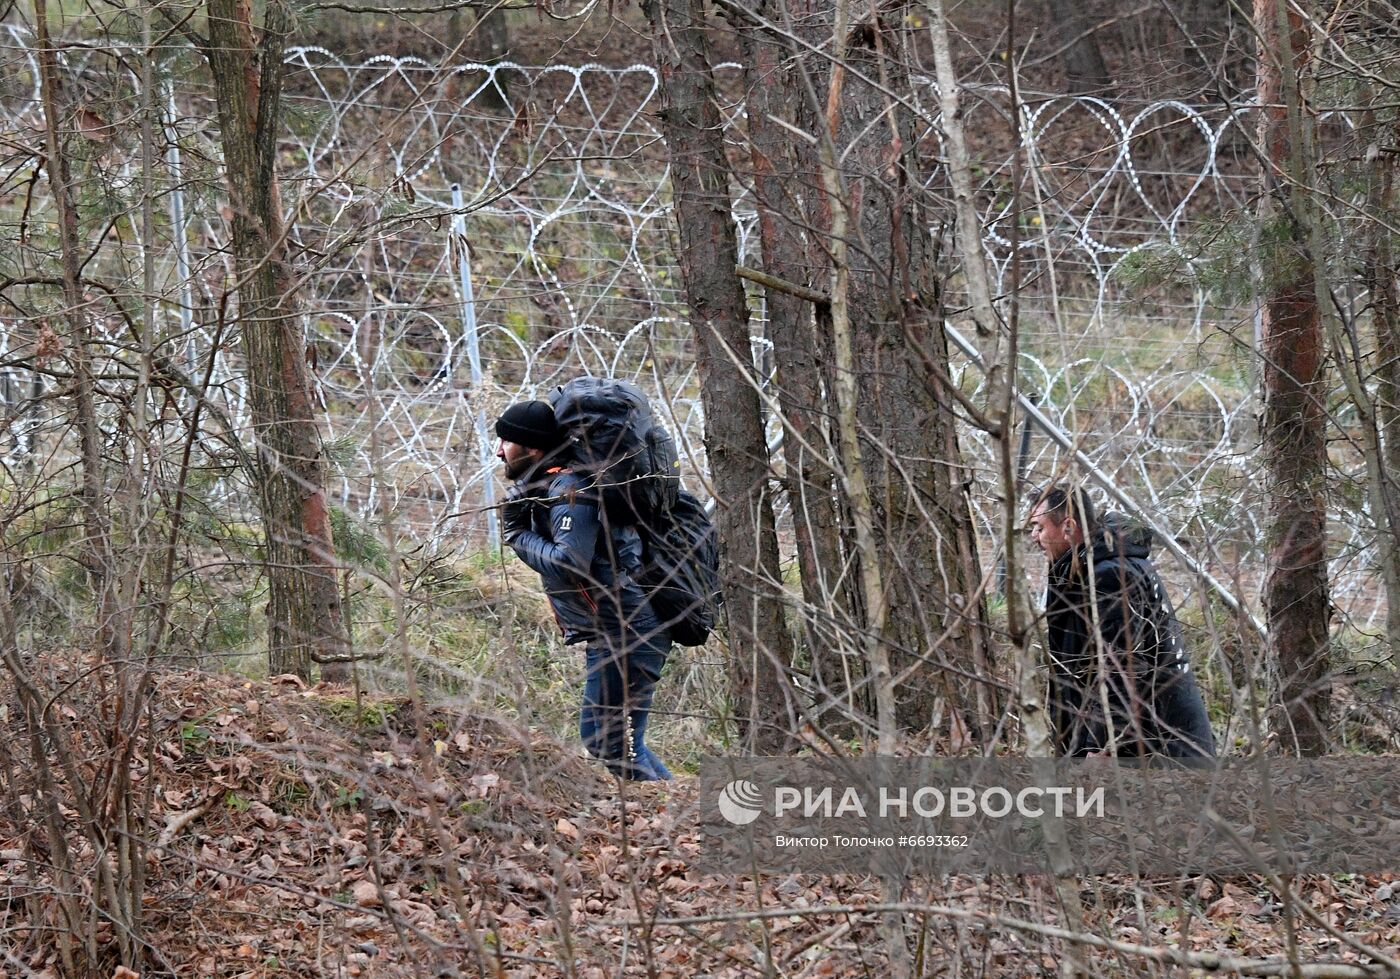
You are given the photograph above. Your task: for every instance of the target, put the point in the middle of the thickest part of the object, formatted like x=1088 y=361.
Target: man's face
x=1054 y=537
x=517 y=458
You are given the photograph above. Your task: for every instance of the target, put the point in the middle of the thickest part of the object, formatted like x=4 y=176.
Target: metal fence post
x=469 y=337
x=178 y=231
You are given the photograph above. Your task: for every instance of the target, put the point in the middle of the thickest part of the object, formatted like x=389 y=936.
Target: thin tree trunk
x=492 y=35
x=1388 y=417
x=842 y=208
x=785 y=180
x=913 y=465
x=760 y=648
x=1085 y=71
x=97 y=548
x=305 y=617
x=488 y=42
x=1296 y=589
x=838 y=201
x=1380 y=277
x=835 y=219
x=97 y=558
x=995 y=343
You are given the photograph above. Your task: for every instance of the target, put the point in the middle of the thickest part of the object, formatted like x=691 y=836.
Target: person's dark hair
x=1060 y=503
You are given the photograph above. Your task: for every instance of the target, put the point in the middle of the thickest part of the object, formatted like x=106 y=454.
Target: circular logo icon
x=740 y=802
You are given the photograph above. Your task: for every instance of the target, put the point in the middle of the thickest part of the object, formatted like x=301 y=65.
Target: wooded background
x=271 y=270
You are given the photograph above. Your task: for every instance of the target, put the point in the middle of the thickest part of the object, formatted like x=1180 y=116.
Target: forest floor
x=300 y=831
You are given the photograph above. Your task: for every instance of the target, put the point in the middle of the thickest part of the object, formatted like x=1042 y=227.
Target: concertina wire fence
x=474 y=235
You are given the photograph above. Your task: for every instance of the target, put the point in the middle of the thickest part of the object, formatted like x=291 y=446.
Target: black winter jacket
x=1153 y=699
x=589 y=575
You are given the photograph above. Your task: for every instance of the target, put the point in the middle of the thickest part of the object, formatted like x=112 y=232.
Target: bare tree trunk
x=997 y=346
x=760 y=647
x=935 y=620
x=834 y=219
x=1388 y=417
x=492 y=35
x=488 y=42
x=112 y=619
x=96 y=524
x=785 y=182
x=1371 y=413
x=1073 y=27
x=305 y=617
x=488 y=38
x=1380 y=277
x=842 y=210
x=1296 y=599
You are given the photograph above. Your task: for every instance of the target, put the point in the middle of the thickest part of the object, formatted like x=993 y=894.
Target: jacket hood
x=1120 y=535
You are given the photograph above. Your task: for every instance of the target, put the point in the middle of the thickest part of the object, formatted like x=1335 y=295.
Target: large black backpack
x=632 y=463
x=680 y=571
x=616 y=442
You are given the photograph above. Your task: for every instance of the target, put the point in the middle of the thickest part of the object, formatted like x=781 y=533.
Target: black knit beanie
x=531 y=424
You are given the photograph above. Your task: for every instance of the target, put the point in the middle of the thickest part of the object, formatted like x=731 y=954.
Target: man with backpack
x=1110 y=627
x=556 y=521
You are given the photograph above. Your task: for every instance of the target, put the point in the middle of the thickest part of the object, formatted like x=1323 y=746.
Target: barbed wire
x=475 y=234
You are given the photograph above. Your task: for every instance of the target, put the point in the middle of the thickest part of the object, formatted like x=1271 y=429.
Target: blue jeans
x=617 y=701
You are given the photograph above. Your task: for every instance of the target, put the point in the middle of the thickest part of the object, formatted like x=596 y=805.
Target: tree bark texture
x=486 y=41
x=785 y=184
x=101 y=803
x=492 y=36
x=1380 y=278
x=1296 y=601
x=1072 y=26
x=760 y=649
x=997 y=345
x=1386 y=301
x=305 y=617
x=924 y=530
x=112 y=621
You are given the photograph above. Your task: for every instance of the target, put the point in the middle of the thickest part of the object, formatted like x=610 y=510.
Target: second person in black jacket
x=1110 y=627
